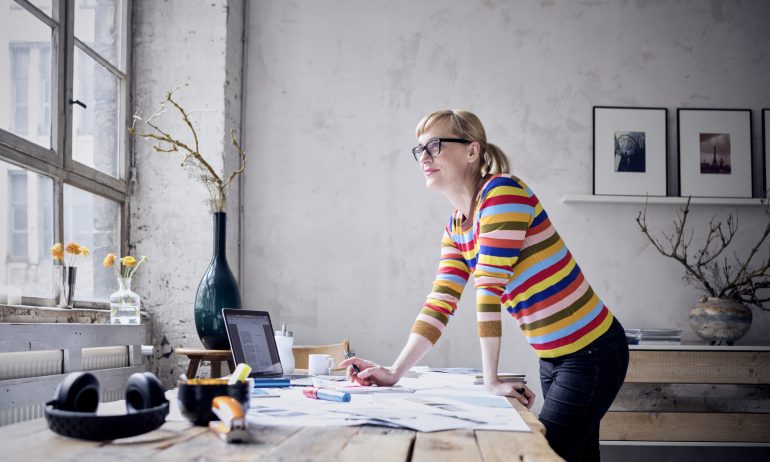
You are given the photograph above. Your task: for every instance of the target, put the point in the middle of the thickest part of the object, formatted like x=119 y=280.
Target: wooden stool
x=216 y=357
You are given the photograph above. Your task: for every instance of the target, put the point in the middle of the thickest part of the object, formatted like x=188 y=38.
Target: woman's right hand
x=513 y=390
x=370 y=373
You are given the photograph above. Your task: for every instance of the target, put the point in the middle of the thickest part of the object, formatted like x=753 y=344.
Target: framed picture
x=715 y=152
x=765 y=148
x=630 y=151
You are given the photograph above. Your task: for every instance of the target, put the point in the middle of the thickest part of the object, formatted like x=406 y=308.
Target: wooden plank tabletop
x=32 y=441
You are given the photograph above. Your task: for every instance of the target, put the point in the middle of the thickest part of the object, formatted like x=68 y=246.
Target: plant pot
x=717 y=320
x=218 y=289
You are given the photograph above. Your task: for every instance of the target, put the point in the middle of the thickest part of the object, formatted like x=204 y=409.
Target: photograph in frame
x=765 y=148
x=715 y=152
x=629 y=151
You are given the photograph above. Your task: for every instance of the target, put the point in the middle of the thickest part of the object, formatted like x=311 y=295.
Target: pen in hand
x=355 y=368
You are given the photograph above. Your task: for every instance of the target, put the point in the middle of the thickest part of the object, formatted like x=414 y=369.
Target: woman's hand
x=370 y=373
x=512 y=389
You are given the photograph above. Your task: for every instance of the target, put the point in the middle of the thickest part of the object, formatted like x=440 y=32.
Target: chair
x=336 y=351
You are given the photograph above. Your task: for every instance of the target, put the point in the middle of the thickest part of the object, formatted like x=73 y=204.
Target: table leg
x=231 y=365
x=192 y=368
x=216 y=368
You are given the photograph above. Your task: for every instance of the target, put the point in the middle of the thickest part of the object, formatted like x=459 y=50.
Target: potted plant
x=730 y=283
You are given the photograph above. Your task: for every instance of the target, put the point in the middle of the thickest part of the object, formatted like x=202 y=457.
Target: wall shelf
x=589 y=198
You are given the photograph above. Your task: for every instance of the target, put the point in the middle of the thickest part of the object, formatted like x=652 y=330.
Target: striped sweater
x=519 y=262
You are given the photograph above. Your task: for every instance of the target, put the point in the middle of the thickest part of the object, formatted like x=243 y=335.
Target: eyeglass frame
x=419 y=149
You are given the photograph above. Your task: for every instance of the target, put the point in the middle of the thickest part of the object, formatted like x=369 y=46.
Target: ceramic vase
x=218 y=289
x=718 y=321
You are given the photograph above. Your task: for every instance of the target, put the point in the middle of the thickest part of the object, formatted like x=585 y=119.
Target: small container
x=284 y=339
x=125 y=304
x=195 y=398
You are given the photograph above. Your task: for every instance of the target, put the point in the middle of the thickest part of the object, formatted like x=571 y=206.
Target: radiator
x=51 y=362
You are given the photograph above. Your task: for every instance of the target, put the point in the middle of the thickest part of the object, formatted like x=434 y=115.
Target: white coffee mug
x=319 y=364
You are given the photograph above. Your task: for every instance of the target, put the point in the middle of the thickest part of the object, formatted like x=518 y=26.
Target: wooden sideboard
x=697 y=393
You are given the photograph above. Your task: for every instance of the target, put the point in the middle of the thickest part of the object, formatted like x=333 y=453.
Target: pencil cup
x=319 y=364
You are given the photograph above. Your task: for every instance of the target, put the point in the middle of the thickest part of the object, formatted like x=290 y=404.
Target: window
x=18 y=216
x=63 y=155
x=92 y=221
x=19 y=87
x=26 y=230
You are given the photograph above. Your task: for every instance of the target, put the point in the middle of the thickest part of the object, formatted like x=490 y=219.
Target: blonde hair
x=465 y=124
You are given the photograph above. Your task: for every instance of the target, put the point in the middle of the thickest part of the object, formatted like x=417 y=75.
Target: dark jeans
x=578 y=389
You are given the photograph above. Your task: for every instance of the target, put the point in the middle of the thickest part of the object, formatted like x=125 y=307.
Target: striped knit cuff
x=428 y=331
x=490 y=329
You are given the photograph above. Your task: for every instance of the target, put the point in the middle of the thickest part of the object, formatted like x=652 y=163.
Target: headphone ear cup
x=144 y=391
x=78 y=392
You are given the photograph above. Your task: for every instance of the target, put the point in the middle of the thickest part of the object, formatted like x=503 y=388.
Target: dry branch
x=193 y=160
x=719 y=278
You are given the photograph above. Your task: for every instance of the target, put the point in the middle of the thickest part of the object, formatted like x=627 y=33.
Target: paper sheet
x=435 y=405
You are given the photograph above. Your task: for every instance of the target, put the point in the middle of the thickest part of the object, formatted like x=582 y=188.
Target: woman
x=500 y=234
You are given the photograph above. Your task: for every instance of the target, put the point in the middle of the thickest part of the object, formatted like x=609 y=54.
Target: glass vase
x=124 y=304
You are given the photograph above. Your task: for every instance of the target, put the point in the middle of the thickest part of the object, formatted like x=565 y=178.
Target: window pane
x=99 y=23
x=92 y=221
x=95 y=128
x=25 y=89
x=26 y=231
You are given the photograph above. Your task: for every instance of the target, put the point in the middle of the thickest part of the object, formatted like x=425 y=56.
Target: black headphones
x=72 y=412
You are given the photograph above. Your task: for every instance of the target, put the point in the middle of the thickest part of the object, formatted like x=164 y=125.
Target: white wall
x=170 y=217
x=341 y=237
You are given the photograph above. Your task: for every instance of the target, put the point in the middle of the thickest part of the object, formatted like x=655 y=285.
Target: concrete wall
x=341 y=238
x=171 y=222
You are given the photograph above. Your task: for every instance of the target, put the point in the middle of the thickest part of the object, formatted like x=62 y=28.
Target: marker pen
x=355 y=368
x=328 y=395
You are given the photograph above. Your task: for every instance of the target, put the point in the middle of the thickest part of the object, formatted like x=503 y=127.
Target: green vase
x=218 y=289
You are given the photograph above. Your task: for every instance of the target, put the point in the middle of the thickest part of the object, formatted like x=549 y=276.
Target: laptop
x=252 y=342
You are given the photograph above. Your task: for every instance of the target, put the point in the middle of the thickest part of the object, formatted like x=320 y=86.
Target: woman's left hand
x=514 y=390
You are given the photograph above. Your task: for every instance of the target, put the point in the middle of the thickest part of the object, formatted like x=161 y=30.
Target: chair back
x=335 y=350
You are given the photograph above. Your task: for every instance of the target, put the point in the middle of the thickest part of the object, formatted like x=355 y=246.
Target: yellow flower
x=57 y=251
x=72 y=248
x=109 y=260
x=84 y=251
x=128 y=261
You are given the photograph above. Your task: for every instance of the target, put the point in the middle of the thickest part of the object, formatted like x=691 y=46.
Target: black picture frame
x=729 y=173
x=765 y=153
x=630 y=151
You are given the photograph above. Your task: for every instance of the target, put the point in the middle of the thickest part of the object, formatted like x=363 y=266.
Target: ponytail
x=493 y=161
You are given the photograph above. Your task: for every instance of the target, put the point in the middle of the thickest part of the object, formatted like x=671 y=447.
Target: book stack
x=653 y=336
x=503 y=377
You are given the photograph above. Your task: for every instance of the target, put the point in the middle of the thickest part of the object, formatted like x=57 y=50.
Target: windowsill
x=40 y=314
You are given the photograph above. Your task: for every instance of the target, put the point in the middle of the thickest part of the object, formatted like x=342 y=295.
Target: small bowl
x=195 y=399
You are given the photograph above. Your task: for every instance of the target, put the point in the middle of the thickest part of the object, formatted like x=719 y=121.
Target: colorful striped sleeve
x=442 y=301
x=505 y=214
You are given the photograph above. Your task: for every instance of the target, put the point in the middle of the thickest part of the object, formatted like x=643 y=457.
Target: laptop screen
x=252 y=341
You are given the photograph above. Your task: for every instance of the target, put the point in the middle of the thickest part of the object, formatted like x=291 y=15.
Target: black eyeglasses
x=433 y=146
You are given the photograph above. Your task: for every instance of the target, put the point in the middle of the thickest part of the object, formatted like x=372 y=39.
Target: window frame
x=57 y=162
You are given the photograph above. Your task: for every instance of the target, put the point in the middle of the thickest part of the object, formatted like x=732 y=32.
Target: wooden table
x=32 y=441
